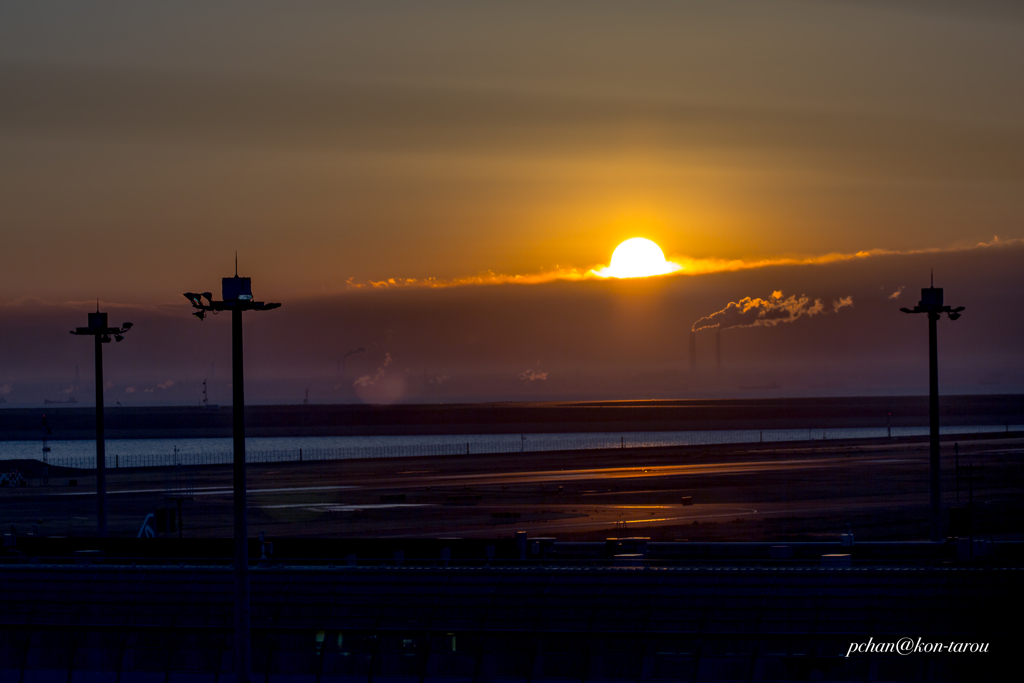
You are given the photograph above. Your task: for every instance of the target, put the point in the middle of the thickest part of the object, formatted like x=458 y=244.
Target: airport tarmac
x=726 y=493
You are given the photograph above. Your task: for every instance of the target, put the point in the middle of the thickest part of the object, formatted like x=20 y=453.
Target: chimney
x=693 y=352
x=718 y=350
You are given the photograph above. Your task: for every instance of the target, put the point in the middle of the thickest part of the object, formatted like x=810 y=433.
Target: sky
x=372 y=162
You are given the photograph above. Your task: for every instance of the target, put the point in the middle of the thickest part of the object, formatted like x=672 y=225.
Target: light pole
x=931 y=303
x=98 y=329
x=237 y=293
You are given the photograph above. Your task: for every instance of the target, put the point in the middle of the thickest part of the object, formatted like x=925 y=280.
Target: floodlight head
x=236 y=288
x=209 y=297
x=200 y=314
x=954 y=316
x=105 y=339
x=126 y=326
x=906 y=310
x=119 y=337
x=98 y=320
x=193 y=298
x=931 y=296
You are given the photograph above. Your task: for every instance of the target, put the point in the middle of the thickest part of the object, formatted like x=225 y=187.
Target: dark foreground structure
x=101 y=618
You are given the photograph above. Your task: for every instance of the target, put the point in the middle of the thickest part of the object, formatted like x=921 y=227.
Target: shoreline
x=78 y=423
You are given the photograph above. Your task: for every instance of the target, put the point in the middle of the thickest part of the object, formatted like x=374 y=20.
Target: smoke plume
x=532 y=375
x=769 y=312
x=841 y=303
x=370 y=380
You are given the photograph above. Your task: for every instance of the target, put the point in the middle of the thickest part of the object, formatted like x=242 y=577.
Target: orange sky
x=786 y=329
x=141 y=146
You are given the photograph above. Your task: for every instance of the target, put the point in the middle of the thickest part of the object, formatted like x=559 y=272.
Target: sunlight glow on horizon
x=638 y=257
x=686 y=266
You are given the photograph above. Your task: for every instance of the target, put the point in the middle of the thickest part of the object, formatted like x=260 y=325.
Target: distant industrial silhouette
x=718 y=350
x=341 y=361
x=693 y=353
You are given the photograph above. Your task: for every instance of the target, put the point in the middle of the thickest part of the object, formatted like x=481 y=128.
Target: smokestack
x=693 y=352
x=718 y=350
x=353 y=352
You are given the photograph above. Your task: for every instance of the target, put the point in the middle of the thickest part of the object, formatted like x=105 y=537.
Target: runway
x=737 y=493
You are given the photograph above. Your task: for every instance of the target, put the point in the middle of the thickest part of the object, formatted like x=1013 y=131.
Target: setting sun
x=638 y=257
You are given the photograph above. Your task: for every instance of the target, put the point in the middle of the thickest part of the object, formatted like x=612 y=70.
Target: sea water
x=162 y=452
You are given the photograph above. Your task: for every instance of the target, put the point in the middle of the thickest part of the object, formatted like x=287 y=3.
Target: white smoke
x=842 y=303
x=370 y=380
x=532 y=375
x=769 y=312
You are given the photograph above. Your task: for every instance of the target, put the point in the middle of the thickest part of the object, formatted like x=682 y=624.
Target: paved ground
x=738 y=493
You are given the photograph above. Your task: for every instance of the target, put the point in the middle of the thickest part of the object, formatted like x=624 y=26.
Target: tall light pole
x=931 y=303
x=99 y=330
x=237 y=293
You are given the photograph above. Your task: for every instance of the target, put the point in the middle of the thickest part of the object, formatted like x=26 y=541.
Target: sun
x=638 y=257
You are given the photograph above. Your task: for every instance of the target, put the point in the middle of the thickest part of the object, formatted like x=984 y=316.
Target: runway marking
x=742 y=512
x=591 y=522
x=209 y=490
x=302 y=488
x=642 y=507
x=339 y=507
x=669 y=470
x=889 y=460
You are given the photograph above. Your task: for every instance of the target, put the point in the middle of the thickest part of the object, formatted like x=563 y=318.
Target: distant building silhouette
x=718 y=350
x=693 y=352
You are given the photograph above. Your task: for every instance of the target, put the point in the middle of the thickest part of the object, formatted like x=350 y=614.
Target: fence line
x=527 y=443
